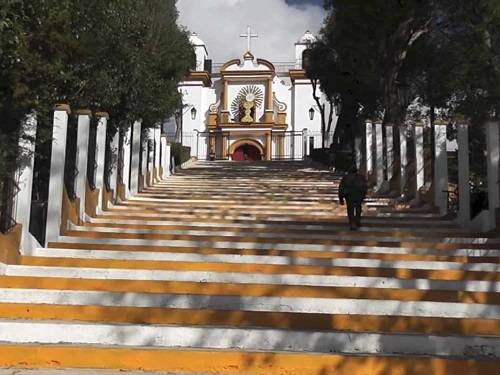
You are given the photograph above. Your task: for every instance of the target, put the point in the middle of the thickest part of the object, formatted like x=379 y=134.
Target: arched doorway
x=246 y=152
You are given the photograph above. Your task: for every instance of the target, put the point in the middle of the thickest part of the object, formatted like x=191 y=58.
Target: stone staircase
x=231 y=268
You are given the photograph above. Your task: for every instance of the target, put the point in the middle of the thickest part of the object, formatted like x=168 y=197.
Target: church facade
x=248 y=108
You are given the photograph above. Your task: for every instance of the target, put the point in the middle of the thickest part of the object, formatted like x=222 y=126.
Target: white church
x=248 y=108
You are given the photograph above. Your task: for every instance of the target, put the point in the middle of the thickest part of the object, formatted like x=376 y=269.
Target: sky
x=279 y=24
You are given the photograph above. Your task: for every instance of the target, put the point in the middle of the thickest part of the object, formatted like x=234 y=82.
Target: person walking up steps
x=353 y=189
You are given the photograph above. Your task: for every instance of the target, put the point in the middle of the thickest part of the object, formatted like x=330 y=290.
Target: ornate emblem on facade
x=214 y=108
x=241 y=110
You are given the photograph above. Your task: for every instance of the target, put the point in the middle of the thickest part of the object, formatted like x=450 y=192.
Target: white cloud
x=220 y=22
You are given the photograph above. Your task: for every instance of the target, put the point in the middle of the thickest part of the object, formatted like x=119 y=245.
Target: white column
x=165 y=162
x=113 y=174
x=164 y=166
x=157 y=135
x=126 y=160
x=82 y=154
x=56 y=180
x=493 y=156
x=403 y=152
x=101 y=155
x=389 y=140
x=144 y=157
x=151 y=167
x=23 y=198
x=358 y=151
x=136 y=150
x=419 y=157
x=440 y=168
x=379 y=162
x=463 y=173
x=369 y=148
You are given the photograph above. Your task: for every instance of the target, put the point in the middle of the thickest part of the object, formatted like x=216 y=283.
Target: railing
x=281 y=67
x=290 y=145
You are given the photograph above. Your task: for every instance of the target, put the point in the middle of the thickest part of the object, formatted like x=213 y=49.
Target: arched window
x=306 y=58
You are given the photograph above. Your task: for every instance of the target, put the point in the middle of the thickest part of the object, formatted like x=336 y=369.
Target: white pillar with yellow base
x=23 y=199
x=82 y=141
x=56 y=179
x=127 y=146
x=440 y=168
x=151 y=156
x=463 y=173
x=113 y=173
x=157 y=138
x=419 y=158
x=134 y=164
x=403 y=160
x=493 y=160
x=165 y=158
x=389 y=145
x=102 y=126
x=144 y=157
x=379 y=161
x=369 y=148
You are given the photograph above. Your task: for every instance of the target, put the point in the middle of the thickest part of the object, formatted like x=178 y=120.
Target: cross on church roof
x=249 y=37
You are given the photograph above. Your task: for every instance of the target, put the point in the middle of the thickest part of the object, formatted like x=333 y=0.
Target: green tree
x=120 y=56
x=445 y=52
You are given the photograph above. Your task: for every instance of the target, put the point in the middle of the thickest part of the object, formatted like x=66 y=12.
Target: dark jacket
x=353 y=188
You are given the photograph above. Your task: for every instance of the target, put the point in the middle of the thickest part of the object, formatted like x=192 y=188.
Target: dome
x=195 y=40
x=307 y=38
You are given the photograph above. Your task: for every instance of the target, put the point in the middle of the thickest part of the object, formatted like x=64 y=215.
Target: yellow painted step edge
x=232 y=362
x=245 y=319
x=400 y=273
x=255 y=290
x=289 y=253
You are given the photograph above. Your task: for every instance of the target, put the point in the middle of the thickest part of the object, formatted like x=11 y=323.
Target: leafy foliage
x=124 y=57
x=377 y=56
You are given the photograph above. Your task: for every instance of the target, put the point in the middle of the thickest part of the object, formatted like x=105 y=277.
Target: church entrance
x=247 y=152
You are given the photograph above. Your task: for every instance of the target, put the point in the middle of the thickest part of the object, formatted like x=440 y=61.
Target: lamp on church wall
x=311 y=113
x=193 y=113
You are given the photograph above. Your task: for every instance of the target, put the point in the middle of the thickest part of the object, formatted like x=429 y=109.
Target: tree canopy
x=124 y=57
x=382 y=54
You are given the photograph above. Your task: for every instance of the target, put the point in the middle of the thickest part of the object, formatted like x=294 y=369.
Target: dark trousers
x=354 y=213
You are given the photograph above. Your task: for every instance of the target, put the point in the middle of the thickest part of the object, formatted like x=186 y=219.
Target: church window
x=306 y=58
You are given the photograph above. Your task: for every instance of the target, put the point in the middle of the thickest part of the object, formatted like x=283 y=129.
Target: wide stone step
x=304 y=305
x=375 y=238
x=291 y=230
x=231 y=216
x=368 y=223
x=363 y=292
x=352 y=261
x=237 y=318
x=486 y=272
x=161 y=336
x=462 y=256
x=202 y=362
x=317 y=280
x=339 y=244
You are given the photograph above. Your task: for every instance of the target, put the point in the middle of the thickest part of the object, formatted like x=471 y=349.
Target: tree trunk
x=321 y=108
